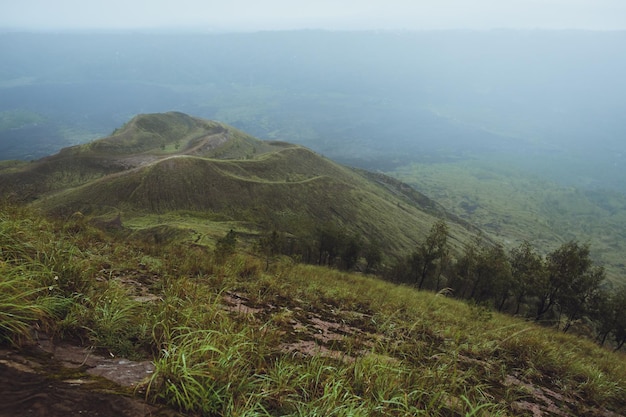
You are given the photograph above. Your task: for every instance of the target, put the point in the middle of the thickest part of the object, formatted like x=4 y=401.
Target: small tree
x=567 y=268
x=497 y=268
x=270 y=245
x=465 y=269
x=577 y=301
x=604 y=312
x=428 y=259
x=225 y=246
x=350 y=252
x=619 y=312
x=528 y=273
x=330 y=241
x=373 y=256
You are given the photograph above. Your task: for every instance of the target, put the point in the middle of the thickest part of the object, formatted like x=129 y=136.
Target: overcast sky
x=312 y=14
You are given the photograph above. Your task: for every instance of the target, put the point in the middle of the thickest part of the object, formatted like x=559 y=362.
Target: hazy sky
x=327 y=14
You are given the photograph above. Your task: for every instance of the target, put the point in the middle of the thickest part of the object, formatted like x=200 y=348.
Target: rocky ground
x=53 y=380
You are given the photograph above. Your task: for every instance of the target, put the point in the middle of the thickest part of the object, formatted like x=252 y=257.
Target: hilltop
x=205 y=178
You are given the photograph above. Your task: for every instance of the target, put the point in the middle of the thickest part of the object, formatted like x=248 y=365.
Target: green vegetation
x=15 y=119
x=513 y=207
x=235 y=337
x=322 y=208
x=210 y=253
x=562 y=289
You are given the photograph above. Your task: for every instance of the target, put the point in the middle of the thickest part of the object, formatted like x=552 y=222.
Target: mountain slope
x=164 y=163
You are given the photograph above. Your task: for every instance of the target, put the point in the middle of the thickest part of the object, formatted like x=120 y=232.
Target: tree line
x=328 y=245
x=562 y=288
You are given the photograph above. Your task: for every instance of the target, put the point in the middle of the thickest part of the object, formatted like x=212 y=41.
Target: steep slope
x=170 y=163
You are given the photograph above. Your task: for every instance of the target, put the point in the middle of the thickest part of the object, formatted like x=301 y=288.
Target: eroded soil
x=65 y=380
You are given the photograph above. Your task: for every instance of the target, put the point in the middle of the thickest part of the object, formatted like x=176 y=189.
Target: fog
x=251 y=15
x=374 y=99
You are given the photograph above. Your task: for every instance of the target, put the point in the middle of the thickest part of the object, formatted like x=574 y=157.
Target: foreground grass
x=400 y=352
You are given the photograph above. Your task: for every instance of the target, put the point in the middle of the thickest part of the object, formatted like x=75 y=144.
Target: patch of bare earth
x=55 y=380
x=306 y=333
x=541 y=401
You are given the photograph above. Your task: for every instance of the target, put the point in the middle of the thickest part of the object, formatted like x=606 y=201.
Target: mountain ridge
x=172 y=162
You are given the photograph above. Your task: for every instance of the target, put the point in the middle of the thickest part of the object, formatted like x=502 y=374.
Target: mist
x=552 y=100
x=248 y=15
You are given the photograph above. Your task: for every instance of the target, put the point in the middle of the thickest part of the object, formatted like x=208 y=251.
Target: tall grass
x=24 y=304
x=415 y=353
x=26 y=298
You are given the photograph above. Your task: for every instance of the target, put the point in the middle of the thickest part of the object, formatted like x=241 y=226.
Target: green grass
x=401 y=352
x=28 y=285
x=512 y=207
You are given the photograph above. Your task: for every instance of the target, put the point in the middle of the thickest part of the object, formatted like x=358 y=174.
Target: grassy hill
x=164 y=164
x=146 y=138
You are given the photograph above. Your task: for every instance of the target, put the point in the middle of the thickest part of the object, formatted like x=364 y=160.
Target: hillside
x=144 y=139
x=192 y=170
x=512 y=206
x=94 y=324
x=143 y=265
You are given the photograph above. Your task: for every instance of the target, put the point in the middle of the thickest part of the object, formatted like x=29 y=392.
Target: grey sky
x=327 y=14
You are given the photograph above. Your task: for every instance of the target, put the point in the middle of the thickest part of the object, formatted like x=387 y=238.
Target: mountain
x=102 y=318
x=177 y=165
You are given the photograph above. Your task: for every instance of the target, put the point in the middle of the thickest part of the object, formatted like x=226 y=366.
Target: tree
x=464 y=277
x=604 y=313
x=428 y=259
x=577 y=300
x=496 y=268
x=270 y=245
x=330 y=242
x=569 y=271
x=225 y=246
x=373 y=256
x=619 y=311
x=483 y=273
x=528 y=273
x=350 y=252
x=491 y=275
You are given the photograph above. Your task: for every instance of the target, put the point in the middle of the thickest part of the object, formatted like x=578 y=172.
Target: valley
x=513 y=207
